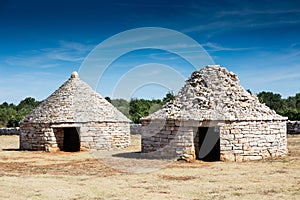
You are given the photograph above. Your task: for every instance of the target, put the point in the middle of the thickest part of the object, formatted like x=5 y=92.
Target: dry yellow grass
x=41 y=175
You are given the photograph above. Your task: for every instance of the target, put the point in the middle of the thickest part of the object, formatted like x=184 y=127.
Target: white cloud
x=24 y=84
x=49 y=57
x=266 y=76
x=283 y=79
x=239 y=19
x=222 y=26
x=218 y=47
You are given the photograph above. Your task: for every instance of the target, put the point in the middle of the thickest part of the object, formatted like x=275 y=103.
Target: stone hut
x=74 y=118
x=214 y=118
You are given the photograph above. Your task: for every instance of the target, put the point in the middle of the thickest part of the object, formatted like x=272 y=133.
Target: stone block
x=270 y=138
x=227 y=156
x=238 y=136
x=235 y=131
x=249 y=158
x=236 y=151
x=247 y=148
x=253 y=143
x=226 y=148
x=239 y=158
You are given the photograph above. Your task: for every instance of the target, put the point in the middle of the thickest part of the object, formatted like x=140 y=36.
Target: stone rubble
x=215 y=94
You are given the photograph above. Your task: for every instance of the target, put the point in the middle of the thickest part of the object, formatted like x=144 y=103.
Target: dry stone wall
x=93 y=136
x=253 y=140
x=167 y=139
x=33 y=137
x=10 y=131
x=248 y=129
x=105 y=135
x=135 y=129
x=239 y=140
x=75 y=104
x=58 y=140
x=293 y=127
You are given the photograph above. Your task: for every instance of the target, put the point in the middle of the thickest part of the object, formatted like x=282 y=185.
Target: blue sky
x=42 y=42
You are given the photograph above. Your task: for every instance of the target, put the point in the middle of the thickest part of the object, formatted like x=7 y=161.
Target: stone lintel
x=65 y=125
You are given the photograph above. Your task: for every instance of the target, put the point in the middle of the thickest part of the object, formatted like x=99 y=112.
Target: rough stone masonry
x=75 y=106
x=213 y=98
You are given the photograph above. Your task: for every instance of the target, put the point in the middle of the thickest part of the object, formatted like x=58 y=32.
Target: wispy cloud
x=28 y=76
x=280 y=75
x=239 y=15
x=37 y=84
x=256 y=12
x=217 y=47
x=50 y=57
x=226 y=25
x=276 y=78
x=295 y=46
x=68 y=51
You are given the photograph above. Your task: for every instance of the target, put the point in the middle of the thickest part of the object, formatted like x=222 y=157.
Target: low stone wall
x=10 y=131
x=167 y=139
x=239 y=140
x=135 y=129
x=293 y=127
x=105 y=135
x=93 y=135
x=253 y=140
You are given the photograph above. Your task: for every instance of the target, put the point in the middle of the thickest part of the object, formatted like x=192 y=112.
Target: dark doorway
x=71 y=140
x=209 y=144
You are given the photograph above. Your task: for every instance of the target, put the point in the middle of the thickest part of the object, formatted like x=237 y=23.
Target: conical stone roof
x=75 y=102
x=213 y=93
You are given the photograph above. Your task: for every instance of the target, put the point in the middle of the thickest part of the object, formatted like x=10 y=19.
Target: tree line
x=135 y=109
x=11 y=115
x=289 y=107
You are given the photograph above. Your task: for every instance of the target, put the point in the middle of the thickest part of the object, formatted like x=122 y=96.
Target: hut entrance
x=208 y=148
x=71 y=141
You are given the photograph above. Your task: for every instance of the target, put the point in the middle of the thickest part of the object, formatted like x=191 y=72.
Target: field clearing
x=82 y=175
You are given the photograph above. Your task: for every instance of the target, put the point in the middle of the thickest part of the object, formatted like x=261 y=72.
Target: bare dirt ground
x=82 y=175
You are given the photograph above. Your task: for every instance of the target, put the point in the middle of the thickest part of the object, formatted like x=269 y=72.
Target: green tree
x=122 y=105
x=289 y=107
x=28 y=103
x=272 y=100
x=155 y=107
x=108 y=99
x=6 y=114
x=291 y=114
x=169 y=96
x=297 y=101
x=138 y=108
x=11 y=115
x=290 y=102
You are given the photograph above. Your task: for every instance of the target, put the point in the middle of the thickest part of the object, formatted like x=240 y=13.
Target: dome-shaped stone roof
x=75 y=101
x=213 y=93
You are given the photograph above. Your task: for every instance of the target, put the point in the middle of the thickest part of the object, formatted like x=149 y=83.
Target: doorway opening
x=208 y=148
x=71 y=141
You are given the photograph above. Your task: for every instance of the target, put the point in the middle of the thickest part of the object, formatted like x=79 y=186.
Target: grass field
x=82 y=175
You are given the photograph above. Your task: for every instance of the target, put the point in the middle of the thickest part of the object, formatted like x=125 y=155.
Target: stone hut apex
x=74 y=117
x=214 y=118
